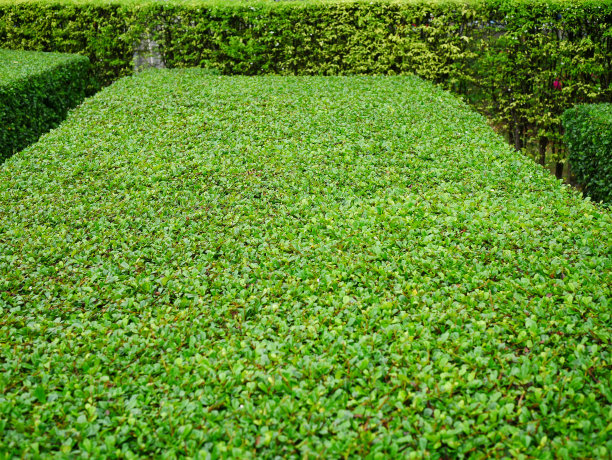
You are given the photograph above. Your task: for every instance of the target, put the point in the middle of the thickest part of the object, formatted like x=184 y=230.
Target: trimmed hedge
x=521 y=62
x=295 y=267
x=36 y=92
x=588 y=134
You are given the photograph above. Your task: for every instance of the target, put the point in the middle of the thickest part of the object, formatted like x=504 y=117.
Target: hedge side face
x=261 y=266
x=36 y=92
x=588 y=133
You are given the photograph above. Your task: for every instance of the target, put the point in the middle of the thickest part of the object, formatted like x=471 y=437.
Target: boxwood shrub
x=295 y=267
x=36 y=92
x=588 y=134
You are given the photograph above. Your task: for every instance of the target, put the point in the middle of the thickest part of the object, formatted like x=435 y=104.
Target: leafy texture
x=588 y=133
x=521 y=62
x=297 y=267
x=36 y=92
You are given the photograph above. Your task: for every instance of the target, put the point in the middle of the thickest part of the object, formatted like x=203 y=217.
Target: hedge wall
x=36 y=92
x=521 y=62
x=588 y=134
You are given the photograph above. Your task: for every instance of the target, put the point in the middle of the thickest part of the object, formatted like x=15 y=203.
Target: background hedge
x=36 y=92
x=589 y=138
x=521 y=62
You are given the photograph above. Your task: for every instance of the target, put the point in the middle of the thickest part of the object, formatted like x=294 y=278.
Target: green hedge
x=521 y=62
x=103 y=31
x=267 y=267
x=36 y=92
x=588 y=134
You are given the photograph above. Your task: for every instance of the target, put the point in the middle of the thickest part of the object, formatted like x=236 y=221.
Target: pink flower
x=557 y=84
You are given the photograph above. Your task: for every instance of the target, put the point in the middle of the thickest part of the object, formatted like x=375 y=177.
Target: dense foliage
x=588 y=134
x=521 y=62
x=297 y=266
x=36 y=92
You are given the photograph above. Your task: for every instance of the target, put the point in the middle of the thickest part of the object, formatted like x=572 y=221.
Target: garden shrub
x=521 y=62
x=104 y=31
x=588 y=134
x=290 y=266
x=551 y=56
x=36 y=92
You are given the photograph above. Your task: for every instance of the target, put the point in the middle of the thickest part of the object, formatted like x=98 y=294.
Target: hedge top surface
x=297 y=266
x=600 y=113
x=15 y=65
